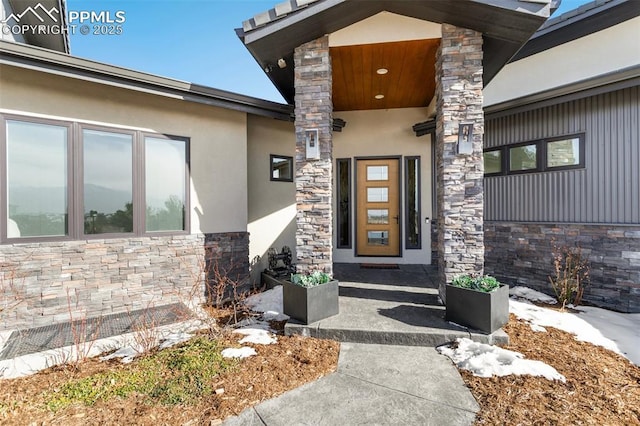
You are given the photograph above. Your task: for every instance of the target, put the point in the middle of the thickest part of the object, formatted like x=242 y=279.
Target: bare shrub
x=226 y=291
x=571 y=274
x=84 y=333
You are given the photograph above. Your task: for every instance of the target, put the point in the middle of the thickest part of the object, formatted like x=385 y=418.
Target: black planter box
x=310 y=304
x=482 y=311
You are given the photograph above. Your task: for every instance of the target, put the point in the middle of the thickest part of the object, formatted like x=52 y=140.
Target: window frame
x=541 y=155
x=350 y=220
x=407 y=244
x=291 y=165
x=75 y=181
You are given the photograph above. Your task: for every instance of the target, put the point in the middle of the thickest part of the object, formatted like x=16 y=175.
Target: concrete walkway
x=374 y=385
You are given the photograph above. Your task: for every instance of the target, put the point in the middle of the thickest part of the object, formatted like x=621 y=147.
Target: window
x=413 y=234
x=122 y=182
x=108 y=182
x=37 y=202
x=493 y=162
x=566 y=152
x=343 y=196
x=523 y=158
x=281 y=168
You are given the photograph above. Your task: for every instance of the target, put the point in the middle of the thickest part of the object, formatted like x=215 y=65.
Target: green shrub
x=311 y=280
x=485 y=283
x=178 y=375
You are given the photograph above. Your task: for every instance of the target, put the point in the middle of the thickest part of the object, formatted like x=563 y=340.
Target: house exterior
x=123 y=190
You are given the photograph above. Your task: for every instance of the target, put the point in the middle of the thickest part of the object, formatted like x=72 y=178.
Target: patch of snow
x=243 y=352
x=174 y=339
x=127 y=354
x=622 y=329
x=543 y=317
x=256 y=335
x=269 y=303
x=527 y=293
x=487 y=360
x=32 y=363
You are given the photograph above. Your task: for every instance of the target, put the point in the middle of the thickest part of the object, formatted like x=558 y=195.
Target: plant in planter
x=310 y=298
x=477 y=302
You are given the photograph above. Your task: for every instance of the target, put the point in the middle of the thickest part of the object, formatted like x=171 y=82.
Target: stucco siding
x=603 y=52
x=271 y=204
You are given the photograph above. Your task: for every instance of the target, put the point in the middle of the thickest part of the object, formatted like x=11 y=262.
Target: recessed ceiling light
x=382 y=71
x=379 y=96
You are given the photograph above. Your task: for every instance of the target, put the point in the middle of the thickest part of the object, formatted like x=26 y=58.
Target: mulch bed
x=602 y=388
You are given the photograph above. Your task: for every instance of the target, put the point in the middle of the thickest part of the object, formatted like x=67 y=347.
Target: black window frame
x=541 y=155
x=279 y=179
x=75 y=181
x=407 y=244
x=349 y=221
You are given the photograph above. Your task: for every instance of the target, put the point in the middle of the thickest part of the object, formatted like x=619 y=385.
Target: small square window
x=523 y=158
x=493 y=162
x=281 y=168
x=563 y=153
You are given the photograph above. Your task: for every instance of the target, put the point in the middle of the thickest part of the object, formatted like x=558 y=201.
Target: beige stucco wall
x=603 y=52
x=272 y=205
x=388 y=133
x=218 y=136
x=385 y=27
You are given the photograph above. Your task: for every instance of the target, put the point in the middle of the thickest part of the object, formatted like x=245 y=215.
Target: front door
x=378 y=208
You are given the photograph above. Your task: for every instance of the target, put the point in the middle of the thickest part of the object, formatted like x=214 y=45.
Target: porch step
x=394 y=307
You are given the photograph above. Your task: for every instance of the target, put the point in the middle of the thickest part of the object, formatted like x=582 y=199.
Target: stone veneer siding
x=227 y=256
x=51 y=282
x=313 y=110
x=460 y=177
x=520 y=253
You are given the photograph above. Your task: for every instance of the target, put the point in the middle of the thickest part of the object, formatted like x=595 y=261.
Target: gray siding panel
x=607 y=190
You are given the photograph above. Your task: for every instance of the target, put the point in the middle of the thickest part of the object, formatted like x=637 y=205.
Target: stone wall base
x=521 y=254
x=55 y=282
x=227 y=264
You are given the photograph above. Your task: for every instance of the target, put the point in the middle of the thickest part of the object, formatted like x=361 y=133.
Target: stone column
x=313 y=110
x=459 y=176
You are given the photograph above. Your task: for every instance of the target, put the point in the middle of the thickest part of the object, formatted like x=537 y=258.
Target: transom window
x=70 y=180
x=537 y=156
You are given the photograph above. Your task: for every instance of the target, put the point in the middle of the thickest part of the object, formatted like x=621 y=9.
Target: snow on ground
x=615 y=331
x=487 y=360
x=255 y=335
x=124 y=344
x=269 y=303
x=527 y=293
x=243 y=352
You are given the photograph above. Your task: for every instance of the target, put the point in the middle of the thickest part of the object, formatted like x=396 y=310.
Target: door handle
x=397 y=218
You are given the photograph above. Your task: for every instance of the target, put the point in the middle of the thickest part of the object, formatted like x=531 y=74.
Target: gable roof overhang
x=506 y=25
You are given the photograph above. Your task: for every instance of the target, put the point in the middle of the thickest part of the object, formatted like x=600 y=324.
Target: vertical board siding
x=607 y=190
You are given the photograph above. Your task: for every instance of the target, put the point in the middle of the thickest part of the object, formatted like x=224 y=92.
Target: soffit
x=359 y=77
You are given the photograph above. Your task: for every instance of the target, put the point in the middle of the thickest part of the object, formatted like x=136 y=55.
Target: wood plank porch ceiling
x=409 y=82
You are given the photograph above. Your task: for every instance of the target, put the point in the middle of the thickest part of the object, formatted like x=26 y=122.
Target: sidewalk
x=374 y=385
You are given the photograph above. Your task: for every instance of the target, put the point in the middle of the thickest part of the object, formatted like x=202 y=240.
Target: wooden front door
x=378 y=208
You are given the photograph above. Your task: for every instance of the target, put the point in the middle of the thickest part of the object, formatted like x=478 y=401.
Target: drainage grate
x=39 y=339
x=379 y=266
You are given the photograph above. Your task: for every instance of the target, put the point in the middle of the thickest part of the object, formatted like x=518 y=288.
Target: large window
x=543 y=155
x=67 y=180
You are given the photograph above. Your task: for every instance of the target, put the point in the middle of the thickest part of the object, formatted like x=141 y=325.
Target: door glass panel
x=377 y=195
x=377 y=172
x=378 y=216
x=344 y=203
x=378 y=238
